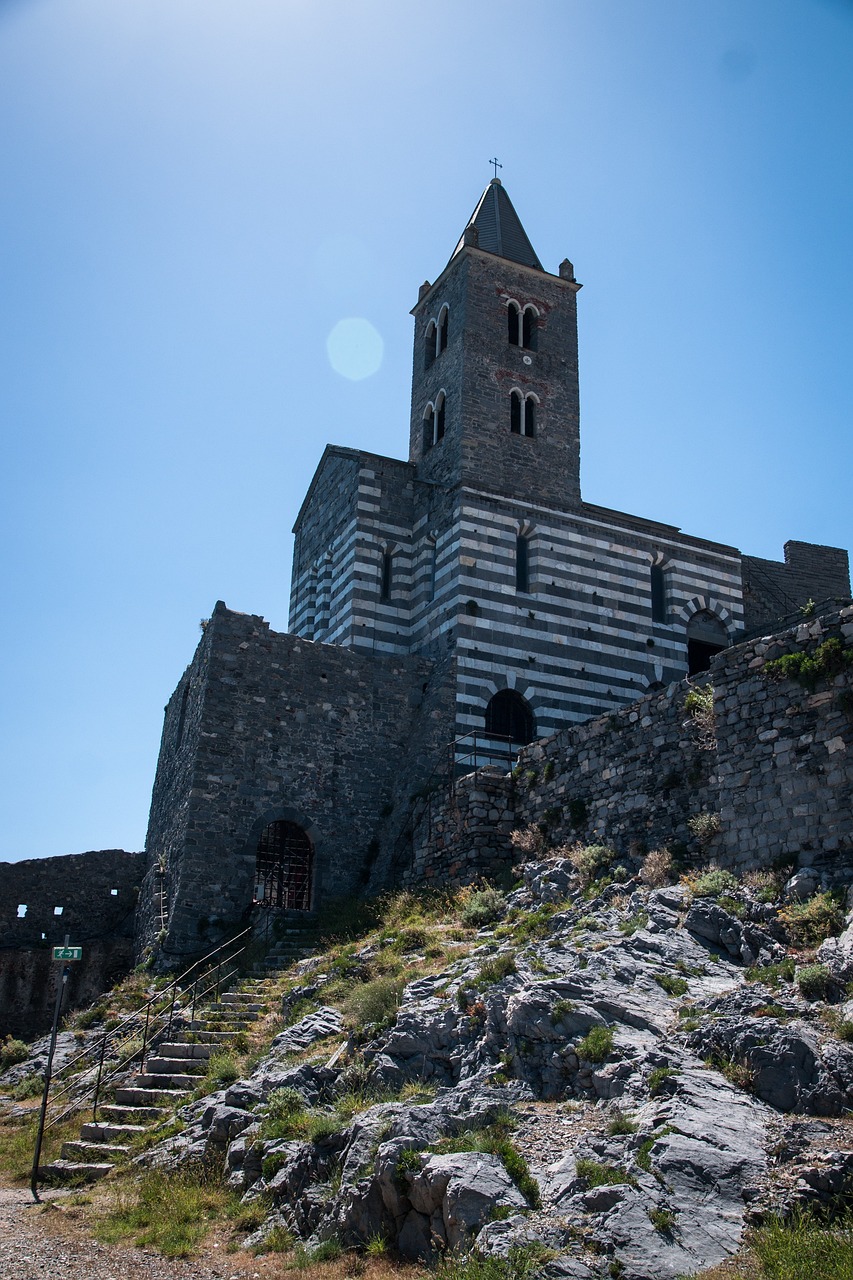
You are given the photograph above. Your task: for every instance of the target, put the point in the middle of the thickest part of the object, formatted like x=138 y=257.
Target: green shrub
x=672 y=986
x=286 y=1116
x=11 y=1052
x=374 y=1003
x=171 y=1211
x=662 y=1220
x=590 y=860
x=482 y=907
x=597 y=1044
x=659 y=1076
x=638 y=920
x=621 y=1124
x=496 y=969
x=222 y=1068
x=561 y=1010
x=815 y=982
x=808 y=924
x=596 y=1174
x=521 y=1263
x=829 y=659
x=713 y=882
x=772 y=974
x=805 y=1246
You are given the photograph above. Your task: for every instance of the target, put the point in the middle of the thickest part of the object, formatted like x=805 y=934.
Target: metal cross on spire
x=497 y=166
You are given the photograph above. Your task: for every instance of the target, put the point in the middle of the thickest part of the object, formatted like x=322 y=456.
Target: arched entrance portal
x=284 y=868
x=706 y=636
x=508 y=715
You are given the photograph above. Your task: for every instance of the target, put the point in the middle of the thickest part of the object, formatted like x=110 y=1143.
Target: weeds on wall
x=830 y=659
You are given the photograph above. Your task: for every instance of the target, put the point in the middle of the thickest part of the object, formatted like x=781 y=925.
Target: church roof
x=499 y=228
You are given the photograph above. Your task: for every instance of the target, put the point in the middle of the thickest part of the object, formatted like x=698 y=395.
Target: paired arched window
x=522 y=413
x=434 y=421
x=522 y=326
x=508 y=715
x=435 y=337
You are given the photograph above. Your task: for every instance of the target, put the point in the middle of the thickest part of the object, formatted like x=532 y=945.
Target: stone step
x=165 y=1080
x=211 y=1039
x=191 y=1050
x=175 y=1066
x=97 y=1131
x=224 y=1026
x=73 y=1171
x=229 y=1013
x=139 y=1117
x=85 y=1152
x=141 y=1097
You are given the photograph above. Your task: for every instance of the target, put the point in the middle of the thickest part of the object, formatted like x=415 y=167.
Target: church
x=451 y=606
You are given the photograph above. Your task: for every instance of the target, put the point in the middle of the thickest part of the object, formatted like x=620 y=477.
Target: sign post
x=64 y=953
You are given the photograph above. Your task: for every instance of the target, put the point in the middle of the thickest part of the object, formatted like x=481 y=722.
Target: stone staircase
x=295 y=937
x=168 y=1079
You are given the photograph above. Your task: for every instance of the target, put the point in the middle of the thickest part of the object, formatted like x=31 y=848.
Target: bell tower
x=495 y=402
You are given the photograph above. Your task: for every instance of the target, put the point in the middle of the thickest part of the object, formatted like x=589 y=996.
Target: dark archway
x=706 y=636
x=284 y=867
x=508 y=715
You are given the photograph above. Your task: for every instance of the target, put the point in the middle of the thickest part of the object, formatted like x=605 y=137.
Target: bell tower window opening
x=522 y=413
x=429 y=427
x=440 y=416
x=513 y=316
x=429 y=344
x=530 y=329
x=442 y=328
x=508 y=715
x=522 y=563
x=284 y=867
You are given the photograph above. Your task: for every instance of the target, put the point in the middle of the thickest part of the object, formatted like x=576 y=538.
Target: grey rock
x=742 y=940
x=314 y=1026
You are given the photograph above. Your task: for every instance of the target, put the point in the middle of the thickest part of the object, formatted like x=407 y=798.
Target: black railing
x=114 y=1052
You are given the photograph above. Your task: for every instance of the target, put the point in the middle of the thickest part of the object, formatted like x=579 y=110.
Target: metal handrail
x=151 y=1020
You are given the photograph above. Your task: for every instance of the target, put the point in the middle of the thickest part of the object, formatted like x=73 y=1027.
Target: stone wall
x=97 y=894
x=772 y=589
x=278 y=727
x=777 y=771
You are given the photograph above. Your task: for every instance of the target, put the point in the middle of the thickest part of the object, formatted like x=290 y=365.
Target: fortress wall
x=778 y=773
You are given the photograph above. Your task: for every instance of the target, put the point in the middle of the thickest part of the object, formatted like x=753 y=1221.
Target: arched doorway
x=706 y=636
x=284 y=867
x=508 y=715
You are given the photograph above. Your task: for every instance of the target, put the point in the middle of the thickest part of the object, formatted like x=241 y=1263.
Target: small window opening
x=114 y=892
x=513 y=327
x=387 y=575
x=529 y=426
x=429 y=344
x=522 y=563
x=530 y=329
x=515 y=413
x=43 y=936
x=657 y=584
x=442 y=330
x=706 y=636
x=57 y=911
x=22 y=910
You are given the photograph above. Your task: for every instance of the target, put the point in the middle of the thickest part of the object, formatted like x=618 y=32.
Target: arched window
x=439 y=417
x=429 y=427
x=530 y=329
x=513 y=316
x=522 y=563
x=657 y=587
x=508 y=715
x=284 y=867
x=522 y=413
x=429 y=344
x=706 y=636
x=442 y=328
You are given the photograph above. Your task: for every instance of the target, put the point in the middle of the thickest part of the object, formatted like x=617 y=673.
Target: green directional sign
x=68 y=953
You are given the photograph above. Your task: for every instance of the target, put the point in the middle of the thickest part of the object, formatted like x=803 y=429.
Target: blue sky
x=194 y=193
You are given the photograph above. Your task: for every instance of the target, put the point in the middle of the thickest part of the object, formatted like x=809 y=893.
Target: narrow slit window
x=387 y=575
x=530 y=416
x=513 y=326
x=442 y=330
x=57 y=911
x=657 y=584
x=522 y=563
x=22 y=910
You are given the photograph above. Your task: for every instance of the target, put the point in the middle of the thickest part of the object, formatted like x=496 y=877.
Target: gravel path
x=44 y=1241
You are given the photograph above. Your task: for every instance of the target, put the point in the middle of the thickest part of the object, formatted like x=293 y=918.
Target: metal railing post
x=98 y=1078
x=145 y=1034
